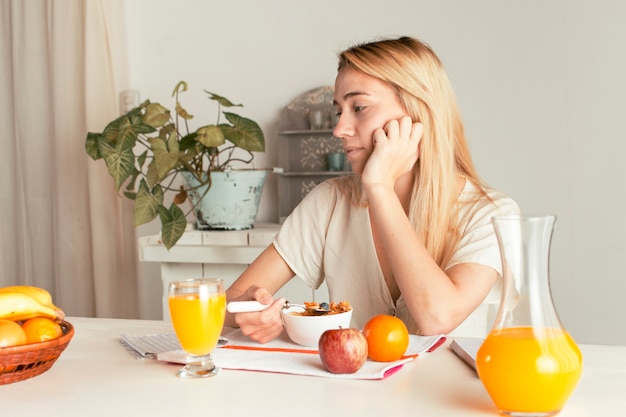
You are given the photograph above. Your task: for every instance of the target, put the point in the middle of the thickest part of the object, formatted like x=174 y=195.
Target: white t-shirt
x=326 y=237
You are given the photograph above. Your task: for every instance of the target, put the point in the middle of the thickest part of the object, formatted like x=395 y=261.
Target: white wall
x=541 y=84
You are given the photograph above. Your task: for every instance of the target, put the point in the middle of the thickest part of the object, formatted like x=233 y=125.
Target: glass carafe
x=528 y=363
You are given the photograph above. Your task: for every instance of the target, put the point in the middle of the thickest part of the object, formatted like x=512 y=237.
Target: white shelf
x=306 y=132
x=314 y=173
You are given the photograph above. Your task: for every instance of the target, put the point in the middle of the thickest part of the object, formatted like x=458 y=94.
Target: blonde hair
x=415 y=72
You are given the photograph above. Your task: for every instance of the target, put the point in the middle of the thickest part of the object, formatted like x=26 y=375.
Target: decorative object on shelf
x=171 y=148
x=312 y=150
x=316 y=119
x=336 y=161
x=296 y=114
x=528 y=363
x=303 y=151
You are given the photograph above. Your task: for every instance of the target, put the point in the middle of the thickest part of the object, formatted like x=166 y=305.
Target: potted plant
x=148 y=147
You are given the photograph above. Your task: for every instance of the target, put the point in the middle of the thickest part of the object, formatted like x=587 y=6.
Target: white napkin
x=283 y=356
x=147 y=347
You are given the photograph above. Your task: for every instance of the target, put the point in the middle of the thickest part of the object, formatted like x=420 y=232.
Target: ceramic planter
x=232 y=201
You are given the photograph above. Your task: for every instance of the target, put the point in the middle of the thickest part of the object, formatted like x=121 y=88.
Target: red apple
x=343 y=351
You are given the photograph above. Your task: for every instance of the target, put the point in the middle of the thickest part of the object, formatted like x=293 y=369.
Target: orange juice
x=198 y=321
x=528 y=370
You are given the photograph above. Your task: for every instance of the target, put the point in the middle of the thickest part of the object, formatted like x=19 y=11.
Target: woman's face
x=364 y=104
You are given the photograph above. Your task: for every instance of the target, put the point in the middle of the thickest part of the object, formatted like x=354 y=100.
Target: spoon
x=317 y=311
x=250 y=306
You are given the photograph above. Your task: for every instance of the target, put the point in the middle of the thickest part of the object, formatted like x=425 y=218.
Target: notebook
x=466 y=348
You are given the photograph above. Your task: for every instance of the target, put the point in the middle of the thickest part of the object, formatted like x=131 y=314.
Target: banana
x=42 y=296
x=18 y=306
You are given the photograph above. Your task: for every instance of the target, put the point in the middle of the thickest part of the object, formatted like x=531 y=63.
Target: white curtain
x=62 y=226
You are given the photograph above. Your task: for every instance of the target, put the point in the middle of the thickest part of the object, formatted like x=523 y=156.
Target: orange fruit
x=387 y=338
x=41 y=329
x=11 y=334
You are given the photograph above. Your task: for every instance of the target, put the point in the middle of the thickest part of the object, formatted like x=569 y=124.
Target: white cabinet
x=218 y=254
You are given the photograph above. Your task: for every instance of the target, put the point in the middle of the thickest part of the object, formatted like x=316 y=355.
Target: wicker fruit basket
x=26 y=361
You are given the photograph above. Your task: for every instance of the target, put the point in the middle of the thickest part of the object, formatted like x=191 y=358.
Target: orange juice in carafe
x=529 y=364
x=529 y=370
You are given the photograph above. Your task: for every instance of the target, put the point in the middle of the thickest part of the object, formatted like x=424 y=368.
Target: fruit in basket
x=16 y=306
x=42 y=296
x=41 y=329
x=387 y=338
x=343 y=351
x=11 y=334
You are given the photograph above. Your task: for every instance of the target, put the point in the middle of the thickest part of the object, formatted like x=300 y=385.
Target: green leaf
x=141 y=159
x=165 y=130
x=147 y=203
x=156 y=115
x=126 y=128
x=112 y=130
x=130 y=186
x=126 y=140
x=182 y=86
x=91 y=145
x=119 y=161
x=188 y=157
x=130 y=195
x=152 y=176
x=173 y=224
x=223 y=101
x=172 y=143
x=210 y=136
x=137 y=123
x=165 y=157
x=244 y=133
x=105 y=149
x=182 y=112
x=188 y=141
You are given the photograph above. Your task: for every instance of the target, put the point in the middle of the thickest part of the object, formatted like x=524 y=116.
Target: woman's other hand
x=260 y=326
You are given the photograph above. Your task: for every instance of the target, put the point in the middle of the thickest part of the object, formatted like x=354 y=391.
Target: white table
x=219 y=254
x=95 y=377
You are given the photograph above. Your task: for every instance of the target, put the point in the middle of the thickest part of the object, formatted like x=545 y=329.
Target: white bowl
x=306 y=330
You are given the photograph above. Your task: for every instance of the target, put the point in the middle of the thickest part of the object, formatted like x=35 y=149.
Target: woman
x=410 y=233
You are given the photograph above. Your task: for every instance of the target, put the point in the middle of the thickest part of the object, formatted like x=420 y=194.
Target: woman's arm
x=437 y=300
x=263 y=278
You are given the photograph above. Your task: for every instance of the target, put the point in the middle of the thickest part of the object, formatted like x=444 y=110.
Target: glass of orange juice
x=197 y=308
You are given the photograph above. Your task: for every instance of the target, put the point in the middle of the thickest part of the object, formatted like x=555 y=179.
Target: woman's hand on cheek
x=396 y=149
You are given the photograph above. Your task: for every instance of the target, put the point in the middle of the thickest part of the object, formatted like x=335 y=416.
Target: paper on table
x=283 y=356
